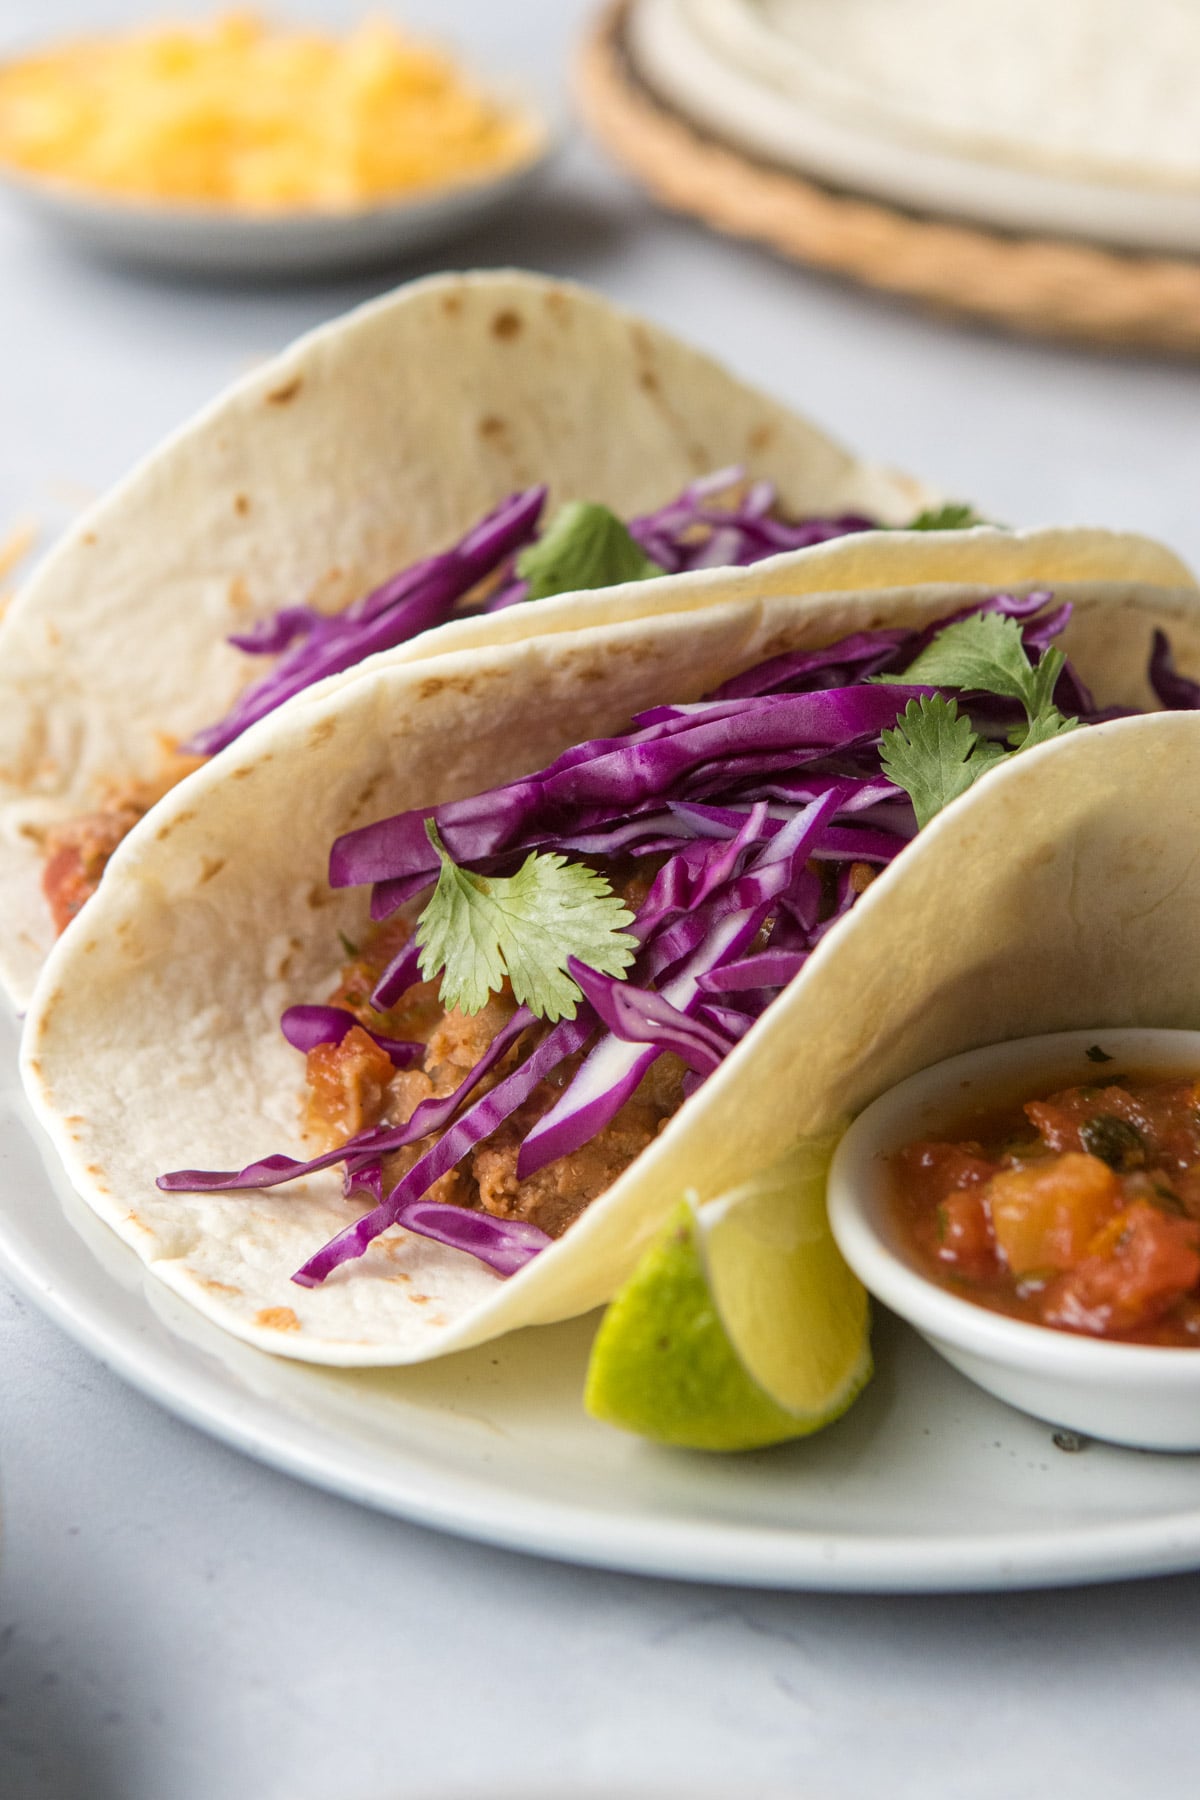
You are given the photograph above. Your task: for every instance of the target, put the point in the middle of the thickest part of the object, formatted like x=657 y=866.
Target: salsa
x=1079 y=1210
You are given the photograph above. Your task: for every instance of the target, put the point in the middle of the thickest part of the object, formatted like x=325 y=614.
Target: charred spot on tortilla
x=450 y=684
x=182 y=818
x=649 y=381
x=452 y=305
x=277 y=1318
x=48 y=1011
x=89 y=537
x=507 y=325
x=490 y=426
x=210 y=866
x=643 y=343
x=368 y=791
x=238 y=595
x=761 y=436
x=285 y=392
x=241 y=505
x=322 y=731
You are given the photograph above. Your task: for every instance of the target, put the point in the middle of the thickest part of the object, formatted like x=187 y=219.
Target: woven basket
x=1047 y=286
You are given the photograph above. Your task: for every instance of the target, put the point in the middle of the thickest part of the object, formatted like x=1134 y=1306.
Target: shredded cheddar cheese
x=235 y=113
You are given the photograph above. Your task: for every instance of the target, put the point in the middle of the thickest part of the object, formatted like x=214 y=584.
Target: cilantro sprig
x=934 y=752
x=584 y=546
x=477 y=929
x=986 y=652
x=954 y=515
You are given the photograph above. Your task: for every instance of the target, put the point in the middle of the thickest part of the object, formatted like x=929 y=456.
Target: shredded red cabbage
x=697 y=531
x=366 y=1147
x=769 y=806
x=469 y=1129
x=1175 y=691
x=637 y=1015
x=305 y=1027
x=312 y=645
x=691 y=532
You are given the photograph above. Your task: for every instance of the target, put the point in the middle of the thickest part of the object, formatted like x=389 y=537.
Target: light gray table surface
x=177 y=1623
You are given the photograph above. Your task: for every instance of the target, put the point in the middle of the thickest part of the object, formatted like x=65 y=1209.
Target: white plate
x=701 y=79
x=926 y=1485
x=217 y=241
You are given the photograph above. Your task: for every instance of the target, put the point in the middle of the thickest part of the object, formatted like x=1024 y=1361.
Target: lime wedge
x=741 y=1325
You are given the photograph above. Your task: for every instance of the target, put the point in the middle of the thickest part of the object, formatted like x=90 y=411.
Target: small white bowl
x=1135 y=1394
x=226 y=242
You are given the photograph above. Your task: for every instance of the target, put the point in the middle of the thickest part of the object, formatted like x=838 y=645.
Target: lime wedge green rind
x=740 y=1327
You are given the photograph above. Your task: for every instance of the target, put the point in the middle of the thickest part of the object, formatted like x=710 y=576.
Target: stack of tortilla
x=1074 y=119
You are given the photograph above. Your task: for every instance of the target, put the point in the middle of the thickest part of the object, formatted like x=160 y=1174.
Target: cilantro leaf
x=987 y=652
x=935 y=754
x=955 y=515
x=476 y=929
x=1040 y=698
x=984 y=651
x=1045 y=725
x=584 y=546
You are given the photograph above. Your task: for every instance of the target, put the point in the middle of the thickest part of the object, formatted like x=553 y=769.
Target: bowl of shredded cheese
x=234 y=145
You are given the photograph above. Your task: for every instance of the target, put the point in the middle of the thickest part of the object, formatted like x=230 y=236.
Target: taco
x=401 y=1175
x=448 y=423
x=383 y=472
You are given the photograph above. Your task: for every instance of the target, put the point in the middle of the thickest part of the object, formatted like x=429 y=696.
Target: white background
x=179 y=1624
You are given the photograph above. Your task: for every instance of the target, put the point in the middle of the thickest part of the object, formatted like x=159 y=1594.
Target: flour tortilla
x=375 y=441
x=1102 y=89
x=370 y=443
x=1061 y=891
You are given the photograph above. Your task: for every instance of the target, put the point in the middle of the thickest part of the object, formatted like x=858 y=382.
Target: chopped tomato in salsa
x=1080 y=1210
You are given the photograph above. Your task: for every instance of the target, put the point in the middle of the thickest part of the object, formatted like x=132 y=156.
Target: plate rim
x=208 y=1397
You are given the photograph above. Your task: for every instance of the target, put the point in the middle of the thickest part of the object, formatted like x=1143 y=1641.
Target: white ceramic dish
x=700 y=79
x=218 y=241
x=1133 y=1394
x=926 y=1485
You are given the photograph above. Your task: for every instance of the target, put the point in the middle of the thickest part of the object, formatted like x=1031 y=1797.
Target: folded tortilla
x=372 y=442
x=1062 y=890
x=375 y=441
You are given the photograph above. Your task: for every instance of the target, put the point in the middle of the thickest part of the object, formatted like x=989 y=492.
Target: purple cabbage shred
x=770 y=808
x=716 y=522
